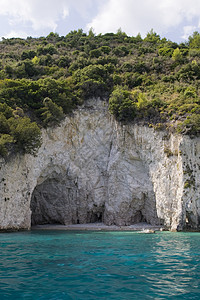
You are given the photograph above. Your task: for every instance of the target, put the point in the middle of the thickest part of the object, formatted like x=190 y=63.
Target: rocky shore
x=99 y=226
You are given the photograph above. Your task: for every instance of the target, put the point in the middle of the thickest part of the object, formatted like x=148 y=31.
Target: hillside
x=152 y=81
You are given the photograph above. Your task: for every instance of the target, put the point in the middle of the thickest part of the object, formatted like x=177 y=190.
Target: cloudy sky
x=173 y=19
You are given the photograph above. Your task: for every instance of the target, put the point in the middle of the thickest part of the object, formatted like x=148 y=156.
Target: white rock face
x=91 y=168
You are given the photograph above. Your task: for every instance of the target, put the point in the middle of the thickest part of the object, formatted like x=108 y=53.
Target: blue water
x=99 y=265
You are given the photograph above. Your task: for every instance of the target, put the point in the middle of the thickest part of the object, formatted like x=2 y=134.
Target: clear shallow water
x=99 y=265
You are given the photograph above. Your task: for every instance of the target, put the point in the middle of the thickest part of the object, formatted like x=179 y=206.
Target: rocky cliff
x=91 y=168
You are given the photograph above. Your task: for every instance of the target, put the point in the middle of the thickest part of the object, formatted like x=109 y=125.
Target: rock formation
x=91 y=168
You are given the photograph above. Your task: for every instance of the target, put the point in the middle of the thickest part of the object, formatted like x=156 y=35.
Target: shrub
x=120 y=51
x=28 y=54
x=92 y=88
x=177 y=55
x=140 y=67
x=4 y=126
x=190 y=92
x=26 y=134
x=6 y=110
x=35 y=60
x=49 y=49
x=95 y=53
x=190 y=126
x=142 y=101
x=165 y=51
x=194 y=40
x=64 y=62
x=105 y=49
x=93 y=79
x=5 y=139
x=127 y=67
x=51 y=114
x=121 y=104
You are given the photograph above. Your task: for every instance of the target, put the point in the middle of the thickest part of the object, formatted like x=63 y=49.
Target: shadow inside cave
x=59 y=201
x=61 y=198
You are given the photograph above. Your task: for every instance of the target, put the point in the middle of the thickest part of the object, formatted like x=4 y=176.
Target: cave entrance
x=60 y=201
x=53 y=201
x=191 y=221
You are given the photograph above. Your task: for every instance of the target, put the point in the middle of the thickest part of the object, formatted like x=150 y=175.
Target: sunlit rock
x=93 y=169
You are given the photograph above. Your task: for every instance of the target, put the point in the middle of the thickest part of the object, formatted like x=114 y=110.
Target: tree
x=5 y=139
x=177 y=56
x=121 y=104
x=6 y=110
x=152 y=37
x=190 y=126
x=26 y=134
x=95 y=53
x=35 y=60
x=4 y=127
x=194 y=40
x=91 y=33
x=105 y=49
x=121 y=51
x=52 y=113
x=166 y=51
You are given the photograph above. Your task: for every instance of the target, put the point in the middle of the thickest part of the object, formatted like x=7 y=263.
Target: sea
x=59 y=264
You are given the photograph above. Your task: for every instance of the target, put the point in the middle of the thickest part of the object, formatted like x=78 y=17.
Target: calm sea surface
x=99 y=265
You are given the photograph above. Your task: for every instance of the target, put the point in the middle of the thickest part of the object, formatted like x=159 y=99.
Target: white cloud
x=16 y=34
x=40 y=14
x=140 y=16
x=83 y=7
x=65 y=13
x=37 y=17
x=188 y=30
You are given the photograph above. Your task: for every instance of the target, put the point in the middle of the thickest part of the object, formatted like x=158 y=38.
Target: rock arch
x=92 y=168
x=59 y=199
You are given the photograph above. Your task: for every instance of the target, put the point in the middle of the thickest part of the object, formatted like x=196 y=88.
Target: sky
x=173 y=19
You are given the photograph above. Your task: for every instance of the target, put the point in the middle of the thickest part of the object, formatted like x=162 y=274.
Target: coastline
x=99 y=227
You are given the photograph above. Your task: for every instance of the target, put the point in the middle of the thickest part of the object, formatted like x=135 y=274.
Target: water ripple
x=94 y=265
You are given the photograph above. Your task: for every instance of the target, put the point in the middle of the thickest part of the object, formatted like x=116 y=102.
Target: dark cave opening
x=191 y=221
x=41 y=211
x=138 y=217
x=96 y=217
x=58 y=201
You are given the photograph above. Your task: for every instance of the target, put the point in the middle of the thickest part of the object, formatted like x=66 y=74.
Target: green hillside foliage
x=152 y=81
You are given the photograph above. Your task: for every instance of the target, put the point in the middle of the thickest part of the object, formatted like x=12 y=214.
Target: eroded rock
x=91 y=168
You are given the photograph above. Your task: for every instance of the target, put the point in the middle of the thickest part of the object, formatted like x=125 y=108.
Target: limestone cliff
x=91 y=168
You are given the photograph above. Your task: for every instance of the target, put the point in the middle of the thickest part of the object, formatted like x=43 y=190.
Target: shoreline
x=100 y=227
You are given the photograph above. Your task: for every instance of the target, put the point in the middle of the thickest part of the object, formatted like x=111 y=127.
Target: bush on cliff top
x=151 y=80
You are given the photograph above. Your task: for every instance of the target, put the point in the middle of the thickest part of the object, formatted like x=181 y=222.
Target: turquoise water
x=99 y=265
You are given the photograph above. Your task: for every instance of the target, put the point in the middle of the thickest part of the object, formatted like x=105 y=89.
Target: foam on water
x=99 y=265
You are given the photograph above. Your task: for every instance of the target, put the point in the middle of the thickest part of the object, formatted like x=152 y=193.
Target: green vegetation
x=152 y=81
